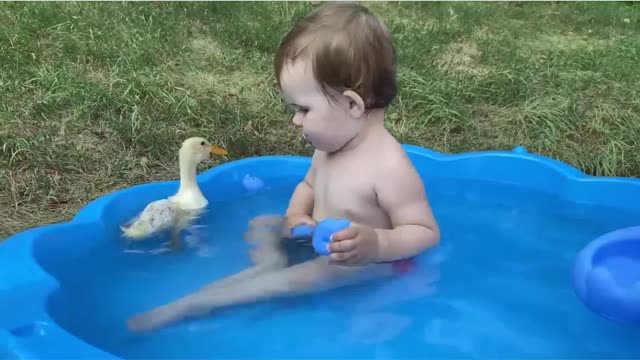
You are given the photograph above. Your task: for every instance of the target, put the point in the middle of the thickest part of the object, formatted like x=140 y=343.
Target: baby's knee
x=263 y=237
x=268 y=259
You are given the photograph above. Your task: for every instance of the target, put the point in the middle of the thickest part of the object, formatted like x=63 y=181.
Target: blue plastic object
x=520 y=150
x=324 y=230
x=302 y=231
x=606 y=275
x=321 y=233
x=36 y=262
x=252 y=183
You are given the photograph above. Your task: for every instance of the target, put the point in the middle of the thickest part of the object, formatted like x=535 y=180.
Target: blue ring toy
x=606 y=275
x=321 y=233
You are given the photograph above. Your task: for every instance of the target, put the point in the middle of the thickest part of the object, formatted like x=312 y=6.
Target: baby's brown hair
x=349 y=49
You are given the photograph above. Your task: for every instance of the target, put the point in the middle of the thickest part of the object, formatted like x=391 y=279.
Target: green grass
x=98 y=96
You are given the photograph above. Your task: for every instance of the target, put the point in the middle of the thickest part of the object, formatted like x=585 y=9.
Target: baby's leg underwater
x=264 y=235
x=276 y=261
x=312 y=276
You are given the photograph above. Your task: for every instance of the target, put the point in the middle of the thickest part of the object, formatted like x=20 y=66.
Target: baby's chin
x=309 y=145
x=309 y=141
x=325 y=146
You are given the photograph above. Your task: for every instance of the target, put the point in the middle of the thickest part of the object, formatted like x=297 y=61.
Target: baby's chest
x=346 y=191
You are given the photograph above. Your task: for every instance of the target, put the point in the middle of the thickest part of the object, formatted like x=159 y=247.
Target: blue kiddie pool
x=500 y=285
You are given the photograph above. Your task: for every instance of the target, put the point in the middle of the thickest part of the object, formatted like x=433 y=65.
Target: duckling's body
x=180 y=210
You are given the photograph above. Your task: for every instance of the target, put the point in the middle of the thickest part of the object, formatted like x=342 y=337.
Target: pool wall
x=33 y=260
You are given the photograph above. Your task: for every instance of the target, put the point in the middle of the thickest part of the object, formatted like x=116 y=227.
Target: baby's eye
x=298 y=109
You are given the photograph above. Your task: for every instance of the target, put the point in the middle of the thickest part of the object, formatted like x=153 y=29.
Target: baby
x=337 y=69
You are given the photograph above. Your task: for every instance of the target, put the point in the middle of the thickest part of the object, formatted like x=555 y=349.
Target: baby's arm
x=402 y=195
x=301 y=204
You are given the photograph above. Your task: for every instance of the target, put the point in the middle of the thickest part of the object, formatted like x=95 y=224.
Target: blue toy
x=606 y=275
x=302 y=231
x=321 y=233
x=252 y=183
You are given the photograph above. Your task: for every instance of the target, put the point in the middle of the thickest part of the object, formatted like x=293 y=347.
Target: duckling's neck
x=187 y=173
x=189 y=195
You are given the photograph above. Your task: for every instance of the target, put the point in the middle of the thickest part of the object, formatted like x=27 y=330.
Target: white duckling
x=179 y=210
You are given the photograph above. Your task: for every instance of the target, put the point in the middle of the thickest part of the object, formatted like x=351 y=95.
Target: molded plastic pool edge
x=19 y=267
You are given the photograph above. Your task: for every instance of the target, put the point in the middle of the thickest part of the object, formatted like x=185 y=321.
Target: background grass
x=98 y=96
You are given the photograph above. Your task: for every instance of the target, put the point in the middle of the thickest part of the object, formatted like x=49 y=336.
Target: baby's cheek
x=317 y=125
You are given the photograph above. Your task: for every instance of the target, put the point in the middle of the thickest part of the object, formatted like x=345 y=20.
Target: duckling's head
x=197 y=149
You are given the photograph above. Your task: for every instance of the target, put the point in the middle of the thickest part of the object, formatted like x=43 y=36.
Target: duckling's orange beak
x=215 y=150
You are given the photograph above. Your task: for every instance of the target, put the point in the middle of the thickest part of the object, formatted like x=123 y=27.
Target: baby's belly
x=364 y=215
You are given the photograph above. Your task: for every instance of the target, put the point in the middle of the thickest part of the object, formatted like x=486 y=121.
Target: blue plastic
x=252 y=183
x=321 y=233
x=606 y=275
x=34 y=261
x=302 y=231
x=324 y=230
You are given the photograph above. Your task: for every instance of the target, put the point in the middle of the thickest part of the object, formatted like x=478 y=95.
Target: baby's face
x=326 y=123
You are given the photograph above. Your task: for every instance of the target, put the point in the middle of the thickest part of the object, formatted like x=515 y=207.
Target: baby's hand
x=355 y=245
x=295 y=220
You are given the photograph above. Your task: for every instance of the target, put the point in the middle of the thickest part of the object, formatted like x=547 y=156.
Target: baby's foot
x=153 y=319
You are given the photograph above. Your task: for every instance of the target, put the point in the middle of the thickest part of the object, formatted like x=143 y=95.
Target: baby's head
x=334 y=67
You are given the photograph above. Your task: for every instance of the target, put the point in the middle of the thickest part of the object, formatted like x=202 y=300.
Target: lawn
x=98 y=96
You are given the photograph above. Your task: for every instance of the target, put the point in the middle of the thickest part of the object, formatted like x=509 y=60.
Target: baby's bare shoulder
x=400 y=189
x=396 y=172
x=393 y=157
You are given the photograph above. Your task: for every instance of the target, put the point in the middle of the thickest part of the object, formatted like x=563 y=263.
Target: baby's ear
x=356 y=104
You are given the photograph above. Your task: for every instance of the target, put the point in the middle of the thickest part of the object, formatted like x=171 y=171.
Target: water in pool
x=498 y=286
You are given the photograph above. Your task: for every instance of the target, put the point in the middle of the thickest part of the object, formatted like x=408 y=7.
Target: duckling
x=179 y=210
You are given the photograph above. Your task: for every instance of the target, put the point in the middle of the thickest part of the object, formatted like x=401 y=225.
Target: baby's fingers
x=342 y=246
x=348 y=233
x=342 y=258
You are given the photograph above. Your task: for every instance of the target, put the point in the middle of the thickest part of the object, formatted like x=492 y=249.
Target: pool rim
x=16 y=250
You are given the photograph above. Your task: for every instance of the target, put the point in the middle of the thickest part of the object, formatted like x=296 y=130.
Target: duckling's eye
x=202 y=143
